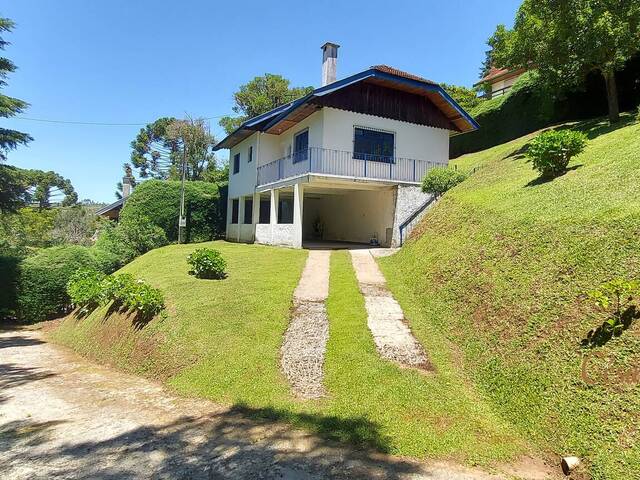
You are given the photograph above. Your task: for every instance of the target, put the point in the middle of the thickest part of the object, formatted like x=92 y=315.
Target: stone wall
x=408 y=200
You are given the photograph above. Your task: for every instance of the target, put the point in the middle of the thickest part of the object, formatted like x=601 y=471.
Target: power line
x=102 y=124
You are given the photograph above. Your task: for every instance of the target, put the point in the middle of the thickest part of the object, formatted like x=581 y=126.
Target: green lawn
x=500 y=265
x=221 y=340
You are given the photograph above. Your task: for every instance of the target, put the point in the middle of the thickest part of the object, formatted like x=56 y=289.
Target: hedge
x=528 y=107
x=42 y=291
x=159 y=200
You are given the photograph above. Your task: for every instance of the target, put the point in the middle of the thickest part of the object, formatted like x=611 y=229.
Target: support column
x=229 y=215
x=298 y=204
x=240 y=216
x=255 y=217
x=273 y=211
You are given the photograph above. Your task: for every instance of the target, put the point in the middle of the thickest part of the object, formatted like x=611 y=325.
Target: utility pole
x=182 y=221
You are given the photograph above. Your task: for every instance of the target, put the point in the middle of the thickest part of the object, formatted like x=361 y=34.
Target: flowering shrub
x=85 y=287
x=207 y=263
x=551 y=151
x=90 y=289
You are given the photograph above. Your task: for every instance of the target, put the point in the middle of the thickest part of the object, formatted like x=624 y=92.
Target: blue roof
x=269 y=119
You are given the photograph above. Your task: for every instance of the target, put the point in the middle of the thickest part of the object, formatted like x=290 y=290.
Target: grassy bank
x=221 y=340
x=500 y=265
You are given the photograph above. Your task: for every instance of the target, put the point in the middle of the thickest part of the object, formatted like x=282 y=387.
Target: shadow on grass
x=242 y=443
x=599 y=336
x=543 y=180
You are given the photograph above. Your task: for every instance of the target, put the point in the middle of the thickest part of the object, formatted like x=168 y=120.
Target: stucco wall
x=273 y=147
x=354 y=216
x=411 y=140
x=243 y=182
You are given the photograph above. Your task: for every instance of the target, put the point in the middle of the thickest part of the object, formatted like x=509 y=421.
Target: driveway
x=64 y=417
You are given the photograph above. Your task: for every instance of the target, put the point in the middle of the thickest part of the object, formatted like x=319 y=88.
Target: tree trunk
x=612 y=96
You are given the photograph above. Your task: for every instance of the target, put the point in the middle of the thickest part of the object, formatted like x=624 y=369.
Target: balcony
x=323 y=161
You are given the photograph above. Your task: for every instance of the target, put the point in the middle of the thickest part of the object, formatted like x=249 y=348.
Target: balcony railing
x=344 y=164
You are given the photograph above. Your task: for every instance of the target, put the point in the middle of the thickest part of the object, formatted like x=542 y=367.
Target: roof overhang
x=282 y=118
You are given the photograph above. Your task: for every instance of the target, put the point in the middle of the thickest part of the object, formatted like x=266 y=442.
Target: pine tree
x=9 y=106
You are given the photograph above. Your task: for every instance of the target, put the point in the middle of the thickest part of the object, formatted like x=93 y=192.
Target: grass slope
x=499 y=266
x=221 y=340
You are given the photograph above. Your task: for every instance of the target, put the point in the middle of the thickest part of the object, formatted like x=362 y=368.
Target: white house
x=343 y=163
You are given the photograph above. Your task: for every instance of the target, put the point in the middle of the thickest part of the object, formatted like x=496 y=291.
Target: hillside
x=500 y=266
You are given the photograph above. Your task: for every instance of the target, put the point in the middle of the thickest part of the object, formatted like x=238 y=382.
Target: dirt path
x=64 y=417
x=385 y=318
x=305 y=341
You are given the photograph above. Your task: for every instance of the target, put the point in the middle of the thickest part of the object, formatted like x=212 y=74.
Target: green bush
x=84 y=288
x=131 y=237
x=207 y=263
x=159 y=200
x=125 y=291
x=440 y=179
x=551 y=151
x=42 y=291
x=9 y=277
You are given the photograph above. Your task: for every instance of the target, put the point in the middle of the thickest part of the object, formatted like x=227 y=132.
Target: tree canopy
x=566 y=39
x=22 y=187
x=467 y=98
x=259 y=96
x=160 y=148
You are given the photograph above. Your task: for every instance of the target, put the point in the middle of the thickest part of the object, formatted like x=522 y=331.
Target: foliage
x=207 y=263
x=20 y=187
x=89 y=288
x=9 y=106
x=84 y=288
x=529 y=106
x=160 y=202
x=259 y=96
x=551 y=151
x=132 y=236
x=9 y=276
x=75 y=225
x=28 y=228
x=12 y=188
x=614 y=297
x=638 y=114
x=500 y=266
x=159 y=149
x=566 y=40
x=440 y=179
x=467 y=98
x=43 y=280
x=124 y=290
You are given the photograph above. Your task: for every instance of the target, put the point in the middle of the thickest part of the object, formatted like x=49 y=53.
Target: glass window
x=373 y=145
x=234 y=210
x=248 y=211
x=236 y=163
x=301 y=146
x=250 y=154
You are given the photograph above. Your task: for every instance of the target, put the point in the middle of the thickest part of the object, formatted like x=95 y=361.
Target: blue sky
x=131 y=62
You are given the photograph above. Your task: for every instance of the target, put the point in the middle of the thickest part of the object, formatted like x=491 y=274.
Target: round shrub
x=440 y=179
x=207 y=263
x=42 y=289
x=159 y=200
x=551 y=151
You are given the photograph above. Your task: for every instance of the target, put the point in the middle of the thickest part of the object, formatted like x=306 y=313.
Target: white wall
x=411 y=141
x=354 y=216
x=243 y=182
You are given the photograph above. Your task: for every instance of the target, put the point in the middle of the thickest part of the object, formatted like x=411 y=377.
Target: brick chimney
x=126 y=186
x=329 y=62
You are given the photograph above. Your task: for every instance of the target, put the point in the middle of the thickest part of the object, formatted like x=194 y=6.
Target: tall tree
x=566 y=39
x=467 y=98
x=159 y=148
x=45 y=187
x=9 y=106
x=259 y=96
x=12 y=181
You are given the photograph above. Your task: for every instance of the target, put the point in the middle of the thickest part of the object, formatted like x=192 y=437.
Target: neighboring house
x=500 y=81
x=112 y=211
x=343 y=163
